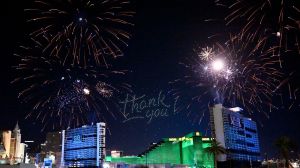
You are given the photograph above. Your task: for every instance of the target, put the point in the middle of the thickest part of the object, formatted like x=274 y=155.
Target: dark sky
x=165 y=33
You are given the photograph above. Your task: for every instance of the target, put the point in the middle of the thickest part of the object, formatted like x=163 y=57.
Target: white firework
x=104 y=89
x=206 y=54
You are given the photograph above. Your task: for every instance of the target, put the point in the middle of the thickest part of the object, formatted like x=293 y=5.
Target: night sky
x=165 y=33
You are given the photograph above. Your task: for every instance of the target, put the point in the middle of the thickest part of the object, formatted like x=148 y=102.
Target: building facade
x=236 y=133
x=5 y=140
x=12 y=151
x=84 y=146
x=187 y=151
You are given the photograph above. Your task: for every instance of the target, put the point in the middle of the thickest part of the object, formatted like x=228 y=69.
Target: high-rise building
x=5 y=144
x=187 y=151
x=238 y=134
x=84 y=146
x=11 y=148
x=17 y=136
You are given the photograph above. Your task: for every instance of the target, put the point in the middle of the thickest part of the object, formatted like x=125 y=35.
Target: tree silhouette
x=215 y=149
x=285 y=145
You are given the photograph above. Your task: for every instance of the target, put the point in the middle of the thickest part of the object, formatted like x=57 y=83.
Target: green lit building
x=187 y=151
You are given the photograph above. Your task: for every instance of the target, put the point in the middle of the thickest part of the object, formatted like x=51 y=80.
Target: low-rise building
x=187 y=151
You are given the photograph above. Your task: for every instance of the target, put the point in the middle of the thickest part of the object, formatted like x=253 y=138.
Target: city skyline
x=165 y=33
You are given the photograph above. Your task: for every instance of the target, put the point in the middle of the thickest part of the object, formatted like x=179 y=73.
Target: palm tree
x=215 y=149
x=285 y=145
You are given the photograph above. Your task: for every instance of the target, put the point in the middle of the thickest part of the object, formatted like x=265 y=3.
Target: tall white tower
x=17 y=136
x=217 y=127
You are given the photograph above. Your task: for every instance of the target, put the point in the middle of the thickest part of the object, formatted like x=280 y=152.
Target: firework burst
x=66 y=96
x=82 y=32
x=205 y=54
x=275 y=20
x=238 y=74
x=278 y=23
x=104 y=89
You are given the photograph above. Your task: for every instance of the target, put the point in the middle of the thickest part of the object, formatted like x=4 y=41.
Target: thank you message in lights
x=148 y=107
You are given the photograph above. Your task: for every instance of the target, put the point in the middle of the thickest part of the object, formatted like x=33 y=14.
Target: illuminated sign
x=172 y=139
x=236 y=109
x=236 y=121
x=47 y=163
x=180 y=139
x=77 y=138
x=206 y=139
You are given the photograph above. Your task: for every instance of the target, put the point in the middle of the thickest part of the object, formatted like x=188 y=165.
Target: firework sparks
x=206 y=54
x=238 y=74
x=276 y=20
x=104 y=89
x=63 y=95
x=82 y=32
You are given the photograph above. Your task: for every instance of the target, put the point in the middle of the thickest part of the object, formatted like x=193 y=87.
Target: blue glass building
x=84 y=146
x=236 y=133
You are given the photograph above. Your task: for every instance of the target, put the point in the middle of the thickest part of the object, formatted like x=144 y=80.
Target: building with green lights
x=187 y=151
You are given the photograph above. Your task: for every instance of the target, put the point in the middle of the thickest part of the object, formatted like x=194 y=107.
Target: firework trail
x=104 y=89
x=236 y=74
x=82 y=32
x=277 y=20
x=66 y=95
